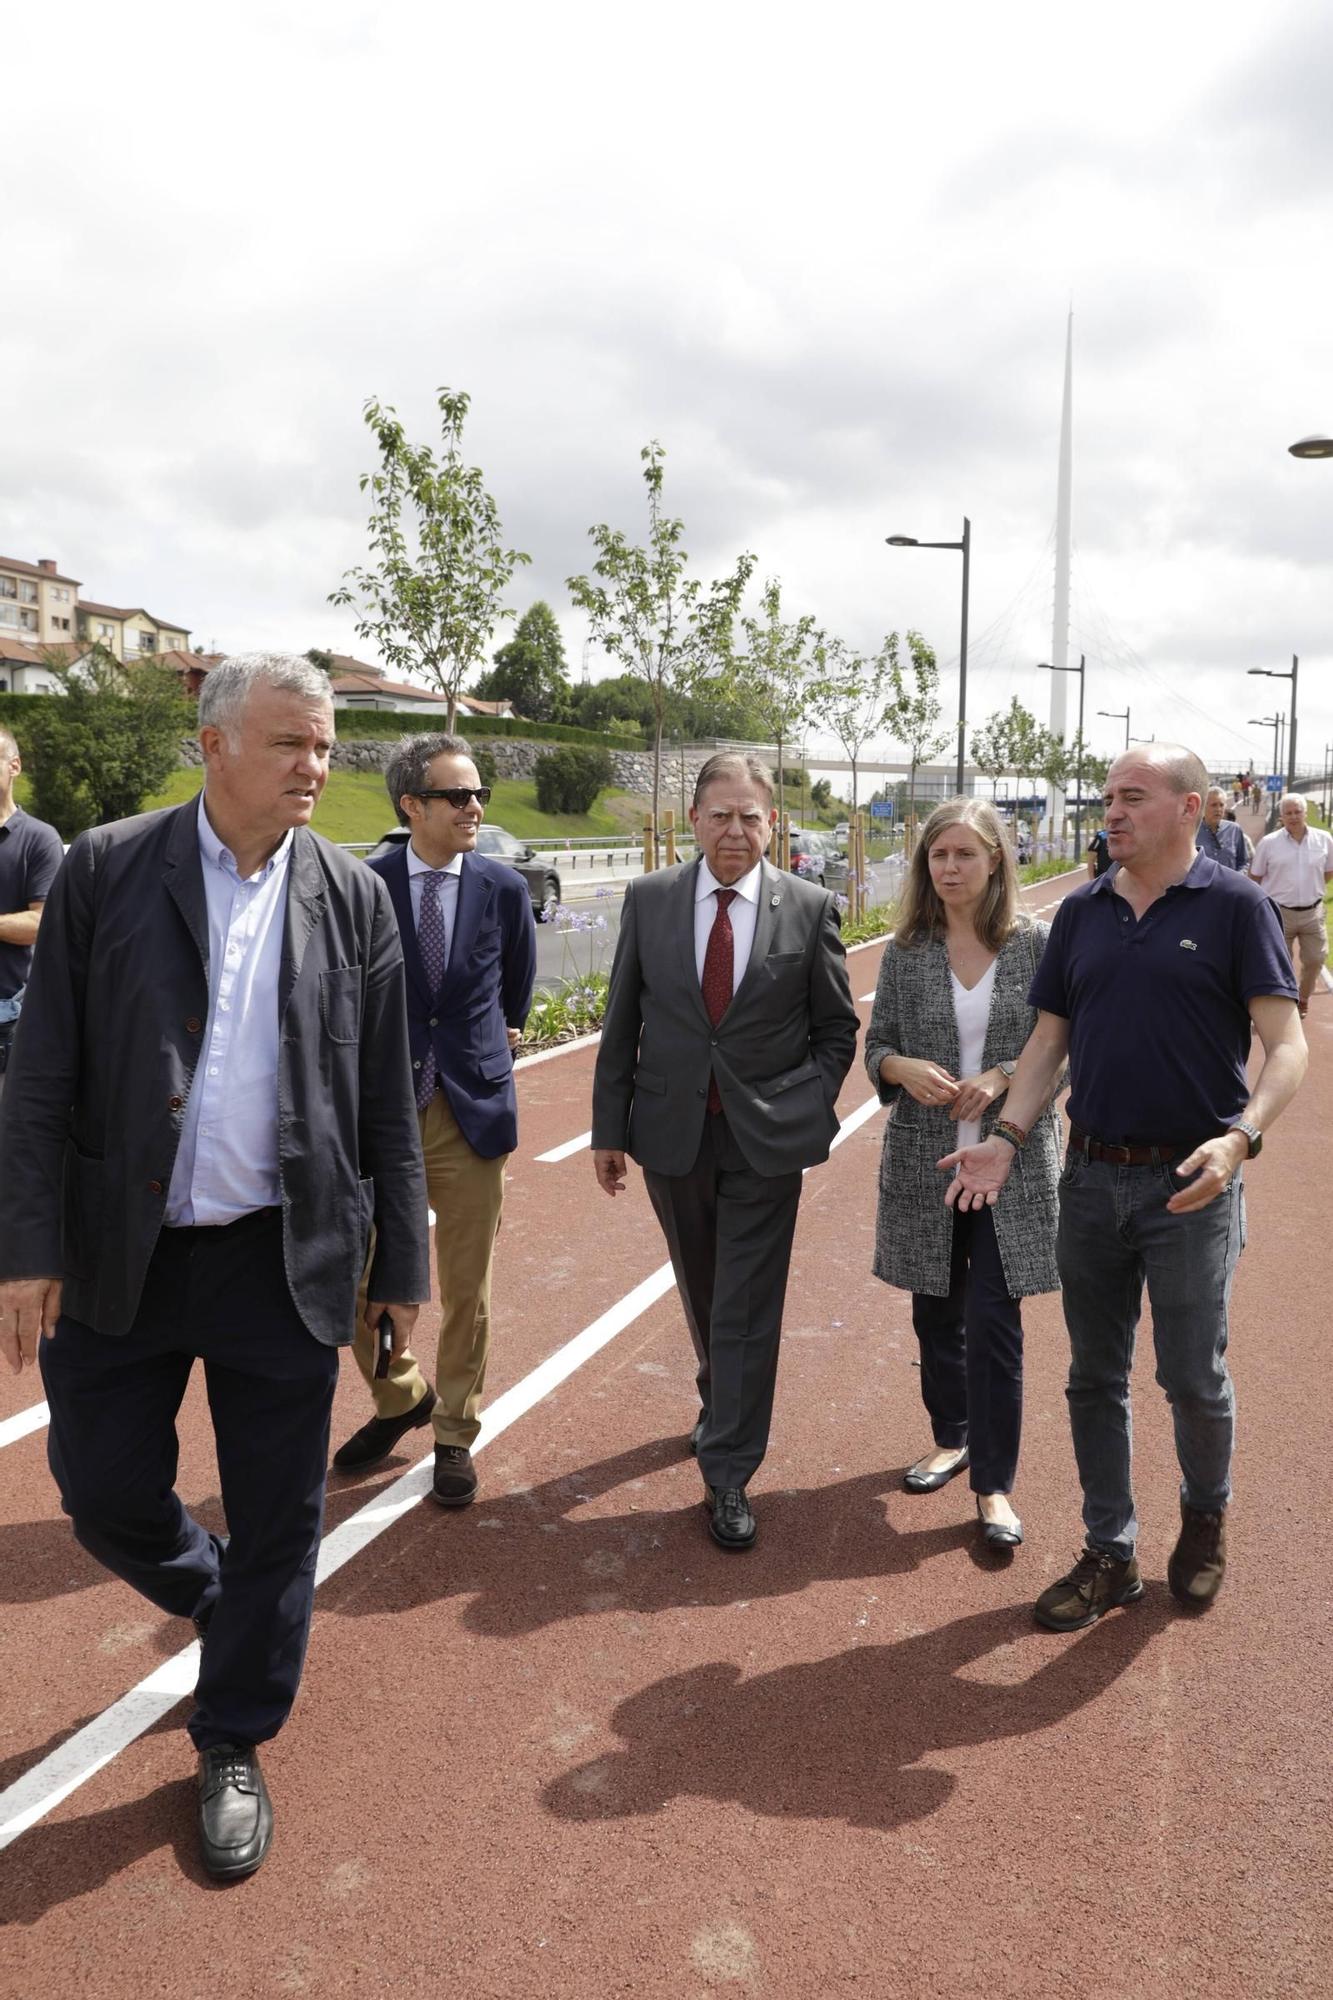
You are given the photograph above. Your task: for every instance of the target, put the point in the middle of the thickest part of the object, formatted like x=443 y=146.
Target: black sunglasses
x=458 y=795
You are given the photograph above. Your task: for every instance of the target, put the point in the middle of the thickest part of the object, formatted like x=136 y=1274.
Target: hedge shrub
x=569 y=780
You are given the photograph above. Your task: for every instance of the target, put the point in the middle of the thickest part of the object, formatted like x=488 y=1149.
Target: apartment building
x=41 y=606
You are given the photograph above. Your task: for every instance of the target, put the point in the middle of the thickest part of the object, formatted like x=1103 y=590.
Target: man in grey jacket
x=211 y=1095
x=729 y=1029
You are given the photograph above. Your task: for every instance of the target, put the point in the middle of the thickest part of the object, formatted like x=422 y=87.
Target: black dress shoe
x=375 y=1440
x=915 y=1481
x=455 y=1476
x=235 y=1811
x=695 y=1435
x=730 y=1521
x=998 y=1534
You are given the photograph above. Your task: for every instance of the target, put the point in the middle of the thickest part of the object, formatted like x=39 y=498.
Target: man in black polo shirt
x=30 y=856
x=1151 y=981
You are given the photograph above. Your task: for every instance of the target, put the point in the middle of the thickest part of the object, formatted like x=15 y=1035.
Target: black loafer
x=730 y=1521
x=375 y=1440
x=235 y=1811
x=931 y=1482
x=998 y=1534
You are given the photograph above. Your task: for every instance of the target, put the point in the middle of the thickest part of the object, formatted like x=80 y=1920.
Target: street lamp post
x=1273 y=722
x=1117 y=715
x=1275 y=674
x=965 y=548
x=1046 y=667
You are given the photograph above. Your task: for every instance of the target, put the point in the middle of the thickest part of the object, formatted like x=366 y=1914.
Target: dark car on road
x=536 y=869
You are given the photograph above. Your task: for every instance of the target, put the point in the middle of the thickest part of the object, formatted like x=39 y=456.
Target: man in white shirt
x=1294 y=864
x=729 y=1028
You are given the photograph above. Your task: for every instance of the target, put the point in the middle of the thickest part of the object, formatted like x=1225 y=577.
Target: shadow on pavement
x=528 y=1560
x=845 y=1738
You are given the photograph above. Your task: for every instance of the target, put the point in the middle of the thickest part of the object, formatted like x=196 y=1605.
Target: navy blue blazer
x=487 y=988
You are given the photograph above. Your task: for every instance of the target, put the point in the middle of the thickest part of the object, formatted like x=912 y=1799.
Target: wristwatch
x=1252 y=1134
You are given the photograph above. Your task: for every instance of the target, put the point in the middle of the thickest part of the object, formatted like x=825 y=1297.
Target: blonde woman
x=950 y=1018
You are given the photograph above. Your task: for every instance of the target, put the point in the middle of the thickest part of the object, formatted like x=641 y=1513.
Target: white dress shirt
x=448 y=891
x=743 y=911
x=1292 y=871
x=227 y=1161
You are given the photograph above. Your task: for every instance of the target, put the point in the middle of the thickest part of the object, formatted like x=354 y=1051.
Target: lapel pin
x=773 y=902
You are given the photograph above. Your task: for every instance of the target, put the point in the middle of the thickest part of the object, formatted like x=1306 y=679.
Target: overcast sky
x=824 y=254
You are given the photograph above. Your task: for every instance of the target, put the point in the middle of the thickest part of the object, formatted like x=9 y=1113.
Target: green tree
x=110 y=737
x=776 y=674
x=913 y=716
x=569 y=779
x=656 y=621
x=1029 y=750
x=619 y=698
x=821 y=793
x=431 y=598
x=529 y=669
x=990 y=749
x=853 y=693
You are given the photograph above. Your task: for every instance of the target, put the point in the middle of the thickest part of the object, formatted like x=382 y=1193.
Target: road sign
x=1274 y=782
x=881 y=809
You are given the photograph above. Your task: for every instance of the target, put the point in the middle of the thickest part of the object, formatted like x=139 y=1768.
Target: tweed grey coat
x=913 y=1015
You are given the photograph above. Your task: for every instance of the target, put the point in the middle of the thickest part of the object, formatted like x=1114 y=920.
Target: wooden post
x=784 y=840
x=669 y=836
x=649 y=844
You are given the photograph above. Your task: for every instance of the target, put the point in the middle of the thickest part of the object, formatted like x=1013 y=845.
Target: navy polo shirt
x=30 y=856
x=1159 y=1028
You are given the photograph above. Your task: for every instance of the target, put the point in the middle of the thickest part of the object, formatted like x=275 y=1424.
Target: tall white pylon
x=1064 y=508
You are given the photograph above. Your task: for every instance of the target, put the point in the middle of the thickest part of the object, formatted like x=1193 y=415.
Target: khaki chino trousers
x=467 y=1194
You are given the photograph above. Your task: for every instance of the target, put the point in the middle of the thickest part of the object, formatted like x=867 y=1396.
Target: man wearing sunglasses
x=470 y=947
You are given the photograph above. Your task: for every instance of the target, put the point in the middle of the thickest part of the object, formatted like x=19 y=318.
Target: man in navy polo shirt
x=1151 y=981
x=30 y=856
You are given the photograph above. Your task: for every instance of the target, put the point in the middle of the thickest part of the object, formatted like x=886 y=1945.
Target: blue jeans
x=1115 y=1232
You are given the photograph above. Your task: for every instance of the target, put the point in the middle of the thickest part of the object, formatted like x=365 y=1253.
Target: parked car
x=818 y=859
x=536 y=869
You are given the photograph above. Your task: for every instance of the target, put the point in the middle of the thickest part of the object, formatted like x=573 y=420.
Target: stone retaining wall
x=515 y=757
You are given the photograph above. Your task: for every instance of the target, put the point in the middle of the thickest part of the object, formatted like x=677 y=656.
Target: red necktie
x=719 y=961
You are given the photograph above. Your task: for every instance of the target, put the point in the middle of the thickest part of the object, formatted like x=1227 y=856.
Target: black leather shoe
x=695 y=1435
x=235 y=1811
x=375 y=1440
x=998 y=1534
x=730 y=1521
x=915 y=1481
x=455 y=1476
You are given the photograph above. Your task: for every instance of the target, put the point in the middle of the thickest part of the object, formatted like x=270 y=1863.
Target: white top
x=1293 y=871
x=972 y=1013
x=452 y=872
x=744 y=914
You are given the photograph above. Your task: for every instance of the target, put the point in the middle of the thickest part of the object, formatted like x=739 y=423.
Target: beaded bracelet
x=1005 y=1128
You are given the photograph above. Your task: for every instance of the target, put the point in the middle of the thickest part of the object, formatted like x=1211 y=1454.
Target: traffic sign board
x=1273 y=782
x=881 y=809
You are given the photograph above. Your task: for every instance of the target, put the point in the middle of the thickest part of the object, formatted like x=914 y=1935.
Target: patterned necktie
x=719 y=961
x=432 y=945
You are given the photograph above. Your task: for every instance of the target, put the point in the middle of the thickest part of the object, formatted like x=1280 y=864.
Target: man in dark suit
x=471 y=950
x=211 y=1095
x=729 y=1029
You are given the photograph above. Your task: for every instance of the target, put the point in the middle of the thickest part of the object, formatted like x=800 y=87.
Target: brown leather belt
x=1122 y=1156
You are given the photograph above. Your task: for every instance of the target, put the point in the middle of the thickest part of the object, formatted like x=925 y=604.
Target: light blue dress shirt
x=449 y=887
x=227 y=1161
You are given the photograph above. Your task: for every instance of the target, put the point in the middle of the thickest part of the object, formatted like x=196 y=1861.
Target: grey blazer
x=108 y=1042
x=780 y=1052
x=913 y=1015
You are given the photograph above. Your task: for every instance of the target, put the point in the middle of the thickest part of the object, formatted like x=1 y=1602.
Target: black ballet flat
x=996 y=1535
x=931 y=1482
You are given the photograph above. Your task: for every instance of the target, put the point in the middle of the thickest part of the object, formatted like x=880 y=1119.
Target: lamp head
x=902 y=541
x=1312 y=447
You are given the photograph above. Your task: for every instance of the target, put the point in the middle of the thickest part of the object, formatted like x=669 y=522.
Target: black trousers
x=729 y=1231
x=218 y=1295
x=972 y=1356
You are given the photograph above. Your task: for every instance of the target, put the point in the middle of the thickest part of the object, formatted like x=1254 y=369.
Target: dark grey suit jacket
x=108 y=1042
x=780 y=1052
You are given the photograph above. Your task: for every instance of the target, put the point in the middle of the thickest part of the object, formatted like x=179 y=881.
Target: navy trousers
x=972 y=1356
x=218 y=1295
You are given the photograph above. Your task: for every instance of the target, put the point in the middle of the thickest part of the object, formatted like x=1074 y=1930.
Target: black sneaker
x=1096 y=1584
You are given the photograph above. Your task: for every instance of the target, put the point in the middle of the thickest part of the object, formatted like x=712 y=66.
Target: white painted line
x=14 y=1428
x=85 y=1753
x=564 y=1152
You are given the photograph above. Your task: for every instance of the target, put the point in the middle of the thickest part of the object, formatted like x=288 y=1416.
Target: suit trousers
x=729 y=1231
x=218 y=1295
x=467 y=1194
x=972 y=1356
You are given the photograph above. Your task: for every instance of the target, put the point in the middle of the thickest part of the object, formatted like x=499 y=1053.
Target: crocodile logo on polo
x=1188 y=944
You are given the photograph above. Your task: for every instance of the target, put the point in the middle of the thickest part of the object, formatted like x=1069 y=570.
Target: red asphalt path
x=560 y=1745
